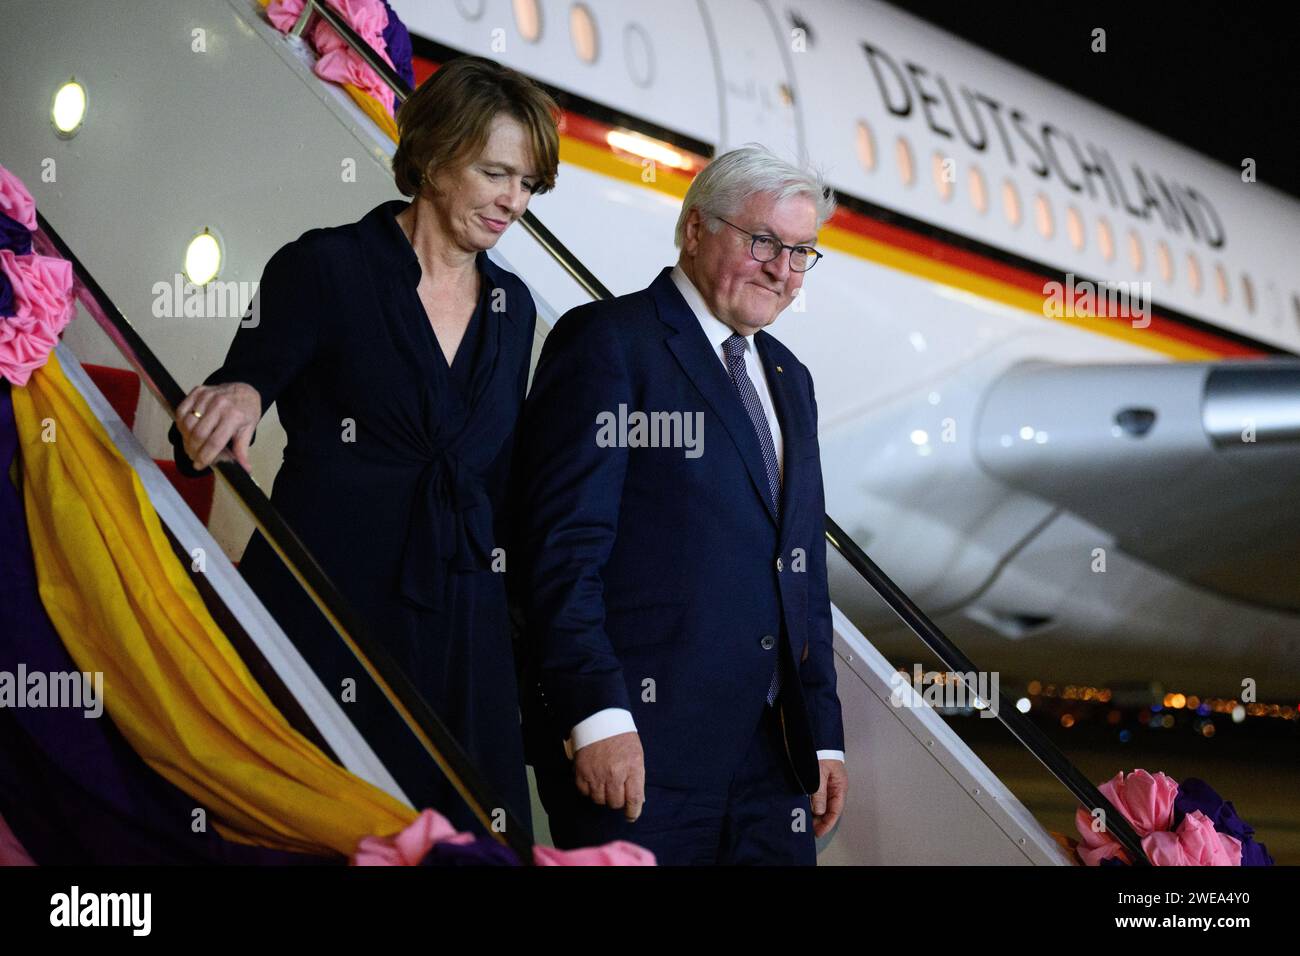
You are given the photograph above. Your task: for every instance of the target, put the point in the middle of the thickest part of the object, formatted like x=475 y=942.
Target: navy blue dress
x=395 y=475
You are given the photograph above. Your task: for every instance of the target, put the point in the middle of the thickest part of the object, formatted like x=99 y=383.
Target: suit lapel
x=693 y=352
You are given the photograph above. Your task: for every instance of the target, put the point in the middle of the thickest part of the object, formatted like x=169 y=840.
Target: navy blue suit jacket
x=650 y=579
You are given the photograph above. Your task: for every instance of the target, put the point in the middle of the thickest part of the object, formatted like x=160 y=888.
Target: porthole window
x=582 y=30
x=1010 y=202
x=903 y=155
x=1043 y=216
x=1074 y=227
x=1136 y=257
x=1221 y=282
x=528 y=19
x=638 y=54
x=1194 y=273
x=979 y=195
x=866 y=145
x=1248 y=293
x=1105 y=239
x=942 y=180
x=1164 y=262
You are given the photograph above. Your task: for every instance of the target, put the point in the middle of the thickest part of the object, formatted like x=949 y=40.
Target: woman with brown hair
x=398 y=353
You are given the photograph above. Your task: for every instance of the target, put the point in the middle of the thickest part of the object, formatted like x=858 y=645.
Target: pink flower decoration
x=344 y=66
x=338 y=63
x=1146 y=801
x=367 y=17
x=15 y=201
x=618 y=853
x=413 y=844
x=410 y=846
x=43 y=304
x=1194 y=843
x=283 y=14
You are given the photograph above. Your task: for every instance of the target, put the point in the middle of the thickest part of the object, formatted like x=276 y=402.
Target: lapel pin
x=780 y=369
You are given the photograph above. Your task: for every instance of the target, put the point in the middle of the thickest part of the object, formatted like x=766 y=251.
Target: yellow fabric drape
x=173 y=684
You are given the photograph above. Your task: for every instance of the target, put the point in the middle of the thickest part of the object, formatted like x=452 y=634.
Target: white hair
x=722 y=187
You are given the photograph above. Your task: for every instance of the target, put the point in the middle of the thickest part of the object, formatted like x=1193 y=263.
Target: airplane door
x=758 y=100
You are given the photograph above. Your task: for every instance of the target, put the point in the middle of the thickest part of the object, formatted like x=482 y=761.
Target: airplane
x=1053 y=350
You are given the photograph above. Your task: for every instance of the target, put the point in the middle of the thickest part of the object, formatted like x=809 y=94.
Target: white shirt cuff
x=831 y=755
x=601 y=724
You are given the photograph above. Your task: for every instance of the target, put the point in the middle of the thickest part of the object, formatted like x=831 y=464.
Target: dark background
x=1222 y=78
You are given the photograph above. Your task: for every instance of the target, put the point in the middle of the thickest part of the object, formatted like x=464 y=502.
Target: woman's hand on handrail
x=213 y=416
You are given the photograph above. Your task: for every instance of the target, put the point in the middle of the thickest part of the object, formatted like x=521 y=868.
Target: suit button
x=768 y=642
x=779 y=565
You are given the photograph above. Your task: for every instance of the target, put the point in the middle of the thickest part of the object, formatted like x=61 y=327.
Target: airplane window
x=942 y=181
x=1135 y=257
x=866 y=146
x=470 y=9
x=1043 y=216
x=1105 y=239
x=639 y=56
x=1295 y=307
x=903 y=155
x=1164 y=262
x=528 y=19
x=979 y=196
x=1248 y=292
x=1194 y=272
x=1221 y=282
x=1010 y=202
x=582 y=30
x=1074 y=227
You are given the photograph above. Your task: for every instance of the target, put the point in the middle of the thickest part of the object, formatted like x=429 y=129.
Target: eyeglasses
x=766 y=248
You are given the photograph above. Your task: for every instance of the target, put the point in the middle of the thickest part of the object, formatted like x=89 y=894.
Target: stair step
x=122 y=389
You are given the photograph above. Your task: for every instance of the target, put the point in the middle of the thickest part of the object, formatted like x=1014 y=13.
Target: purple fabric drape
x=397 y=42
x=72 y=789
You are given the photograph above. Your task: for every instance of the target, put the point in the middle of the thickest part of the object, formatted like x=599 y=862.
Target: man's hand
x=828 y=801
x=612 y=773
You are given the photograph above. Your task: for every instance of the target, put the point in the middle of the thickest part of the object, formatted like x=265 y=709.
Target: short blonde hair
x=445 y=122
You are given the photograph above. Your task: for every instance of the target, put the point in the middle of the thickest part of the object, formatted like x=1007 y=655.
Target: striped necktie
x=734 y=350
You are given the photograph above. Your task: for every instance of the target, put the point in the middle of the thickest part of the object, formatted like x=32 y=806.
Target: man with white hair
x=680 y=682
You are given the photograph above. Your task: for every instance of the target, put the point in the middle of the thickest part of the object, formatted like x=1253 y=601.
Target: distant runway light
x=69 y=108
x=1023 y=705
x=919 y=437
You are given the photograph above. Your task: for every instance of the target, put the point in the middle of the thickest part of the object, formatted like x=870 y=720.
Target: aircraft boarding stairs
x=918 y=794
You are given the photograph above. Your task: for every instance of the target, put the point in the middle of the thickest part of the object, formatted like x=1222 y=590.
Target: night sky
x=1222 y=78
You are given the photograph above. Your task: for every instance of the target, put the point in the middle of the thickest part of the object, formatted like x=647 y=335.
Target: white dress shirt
x=616 y=720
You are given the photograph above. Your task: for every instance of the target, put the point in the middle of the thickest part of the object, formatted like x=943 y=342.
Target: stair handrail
x=1023 y=729
x=409 y=704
